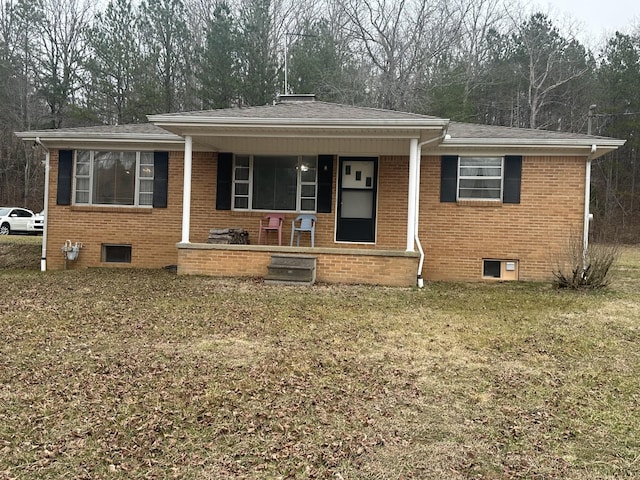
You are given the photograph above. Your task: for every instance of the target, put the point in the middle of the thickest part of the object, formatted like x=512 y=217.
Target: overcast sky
x=599 y=18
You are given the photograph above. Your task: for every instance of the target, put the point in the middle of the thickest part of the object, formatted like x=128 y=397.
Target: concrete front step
x=291 y=269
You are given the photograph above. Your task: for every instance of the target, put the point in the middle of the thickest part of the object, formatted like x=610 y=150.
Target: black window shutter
x=448 y=178
x=512 y=175
x=224 y=181
x=160 y=179
x=65 y=175
x=325 y=183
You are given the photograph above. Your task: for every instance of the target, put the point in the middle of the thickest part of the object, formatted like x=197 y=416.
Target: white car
x=14 y=219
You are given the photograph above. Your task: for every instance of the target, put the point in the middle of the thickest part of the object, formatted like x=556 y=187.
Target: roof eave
x=560 y=142
x=55 y=138
x=572 y=147
x=175 y=121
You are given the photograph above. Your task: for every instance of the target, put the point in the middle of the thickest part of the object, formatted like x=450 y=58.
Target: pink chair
x=271 y=221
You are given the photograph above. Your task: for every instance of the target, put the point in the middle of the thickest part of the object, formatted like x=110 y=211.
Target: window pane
x=242 y=161
x=242 y=173
x=241 y=202
x=308 y=204
x=146 y=199
x=83 y=157
x=146 y=171
x=308 y=169
x=82 y=197
x=116 y=253
x=480 y=178
x=146 y=186
x=480 y=172
x=274 y=183
x=480 y=194
x=357 y=204
x=480 y=162
x=114 y=178
x=82 y=184
x=480 y=188
x=242 y=189
x=491 y=268
x=480 y=183
x=308 y=191
x=146 y=158
x=82 y=169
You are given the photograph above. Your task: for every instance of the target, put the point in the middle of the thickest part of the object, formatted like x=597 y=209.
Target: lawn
x=144 y=374
x=20 y=251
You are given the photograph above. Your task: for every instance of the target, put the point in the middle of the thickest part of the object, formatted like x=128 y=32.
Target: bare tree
x=63 y=49
x=548 y=62
x=401 y=40
x=20 y=170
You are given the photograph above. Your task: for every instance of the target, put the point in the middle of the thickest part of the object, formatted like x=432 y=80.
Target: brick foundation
x=333 y=265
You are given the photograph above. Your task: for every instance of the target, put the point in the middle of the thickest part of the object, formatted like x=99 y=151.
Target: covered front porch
x=357 y=169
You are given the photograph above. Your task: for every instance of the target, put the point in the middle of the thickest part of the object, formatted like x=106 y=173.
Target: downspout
x=43 y=258
x=587 y=201
x=420 y=280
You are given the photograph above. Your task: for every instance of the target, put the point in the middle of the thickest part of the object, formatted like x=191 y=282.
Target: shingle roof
x=304 y=109
x=310 y=111
x=473 y=130
x=142 y=131
x=133 y=128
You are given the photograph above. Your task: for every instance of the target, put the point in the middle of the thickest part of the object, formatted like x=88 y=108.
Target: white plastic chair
x=307 y=224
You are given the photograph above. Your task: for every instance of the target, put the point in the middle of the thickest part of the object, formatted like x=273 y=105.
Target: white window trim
x=136 y=203
x=461 y=177
x=249 y=182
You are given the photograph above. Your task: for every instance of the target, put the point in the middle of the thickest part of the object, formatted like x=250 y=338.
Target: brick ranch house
x=398 y=196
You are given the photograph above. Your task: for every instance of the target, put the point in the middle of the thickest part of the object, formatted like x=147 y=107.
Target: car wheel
x=5 y=229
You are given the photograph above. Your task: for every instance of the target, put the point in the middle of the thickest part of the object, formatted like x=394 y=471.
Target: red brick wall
x=391 y=215
x=336 y=266
x=457 y=236
x=152 y=232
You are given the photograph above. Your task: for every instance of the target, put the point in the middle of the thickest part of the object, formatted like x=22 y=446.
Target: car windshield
x=4 y=211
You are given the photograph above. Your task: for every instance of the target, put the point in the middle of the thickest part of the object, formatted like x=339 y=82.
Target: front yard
x=143 y=374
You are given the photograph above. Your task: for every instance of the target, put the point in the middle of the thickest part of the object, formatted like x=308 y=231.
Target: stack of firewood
x=237 y=236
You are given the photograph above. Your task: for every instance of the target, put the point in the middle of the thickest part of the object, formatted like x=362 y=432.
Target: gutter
x=420 y=280
x=43 y=258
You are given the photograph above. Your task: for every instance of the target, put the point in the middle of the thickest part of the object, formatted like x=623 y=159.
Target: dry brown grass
x=143 y=374
x=20 y=251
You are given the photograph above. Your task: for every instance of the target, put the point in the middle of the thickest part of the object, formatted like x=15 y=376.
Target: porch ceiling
x=274 y=141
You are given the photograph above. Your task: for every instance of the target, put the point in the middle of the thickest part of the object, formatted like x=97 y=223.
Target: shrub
x=579 y=271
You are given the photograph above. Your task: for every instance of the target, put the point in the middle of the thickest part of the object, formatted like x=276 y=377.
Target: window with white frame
x=113 y=178
x=480 y=178
x=280 y=183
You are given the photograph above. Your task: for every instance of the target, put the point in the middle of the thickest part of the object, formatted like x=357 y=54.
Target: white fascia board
x=63 y=139
x=330 y=130
x=217 y=122
x=529 y=142
x=524 y=151
x=566 y=147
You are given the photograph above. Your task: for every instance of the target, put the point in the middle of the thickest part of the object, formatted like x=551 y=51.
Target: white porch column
x=186 y=195
x=413 y=194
